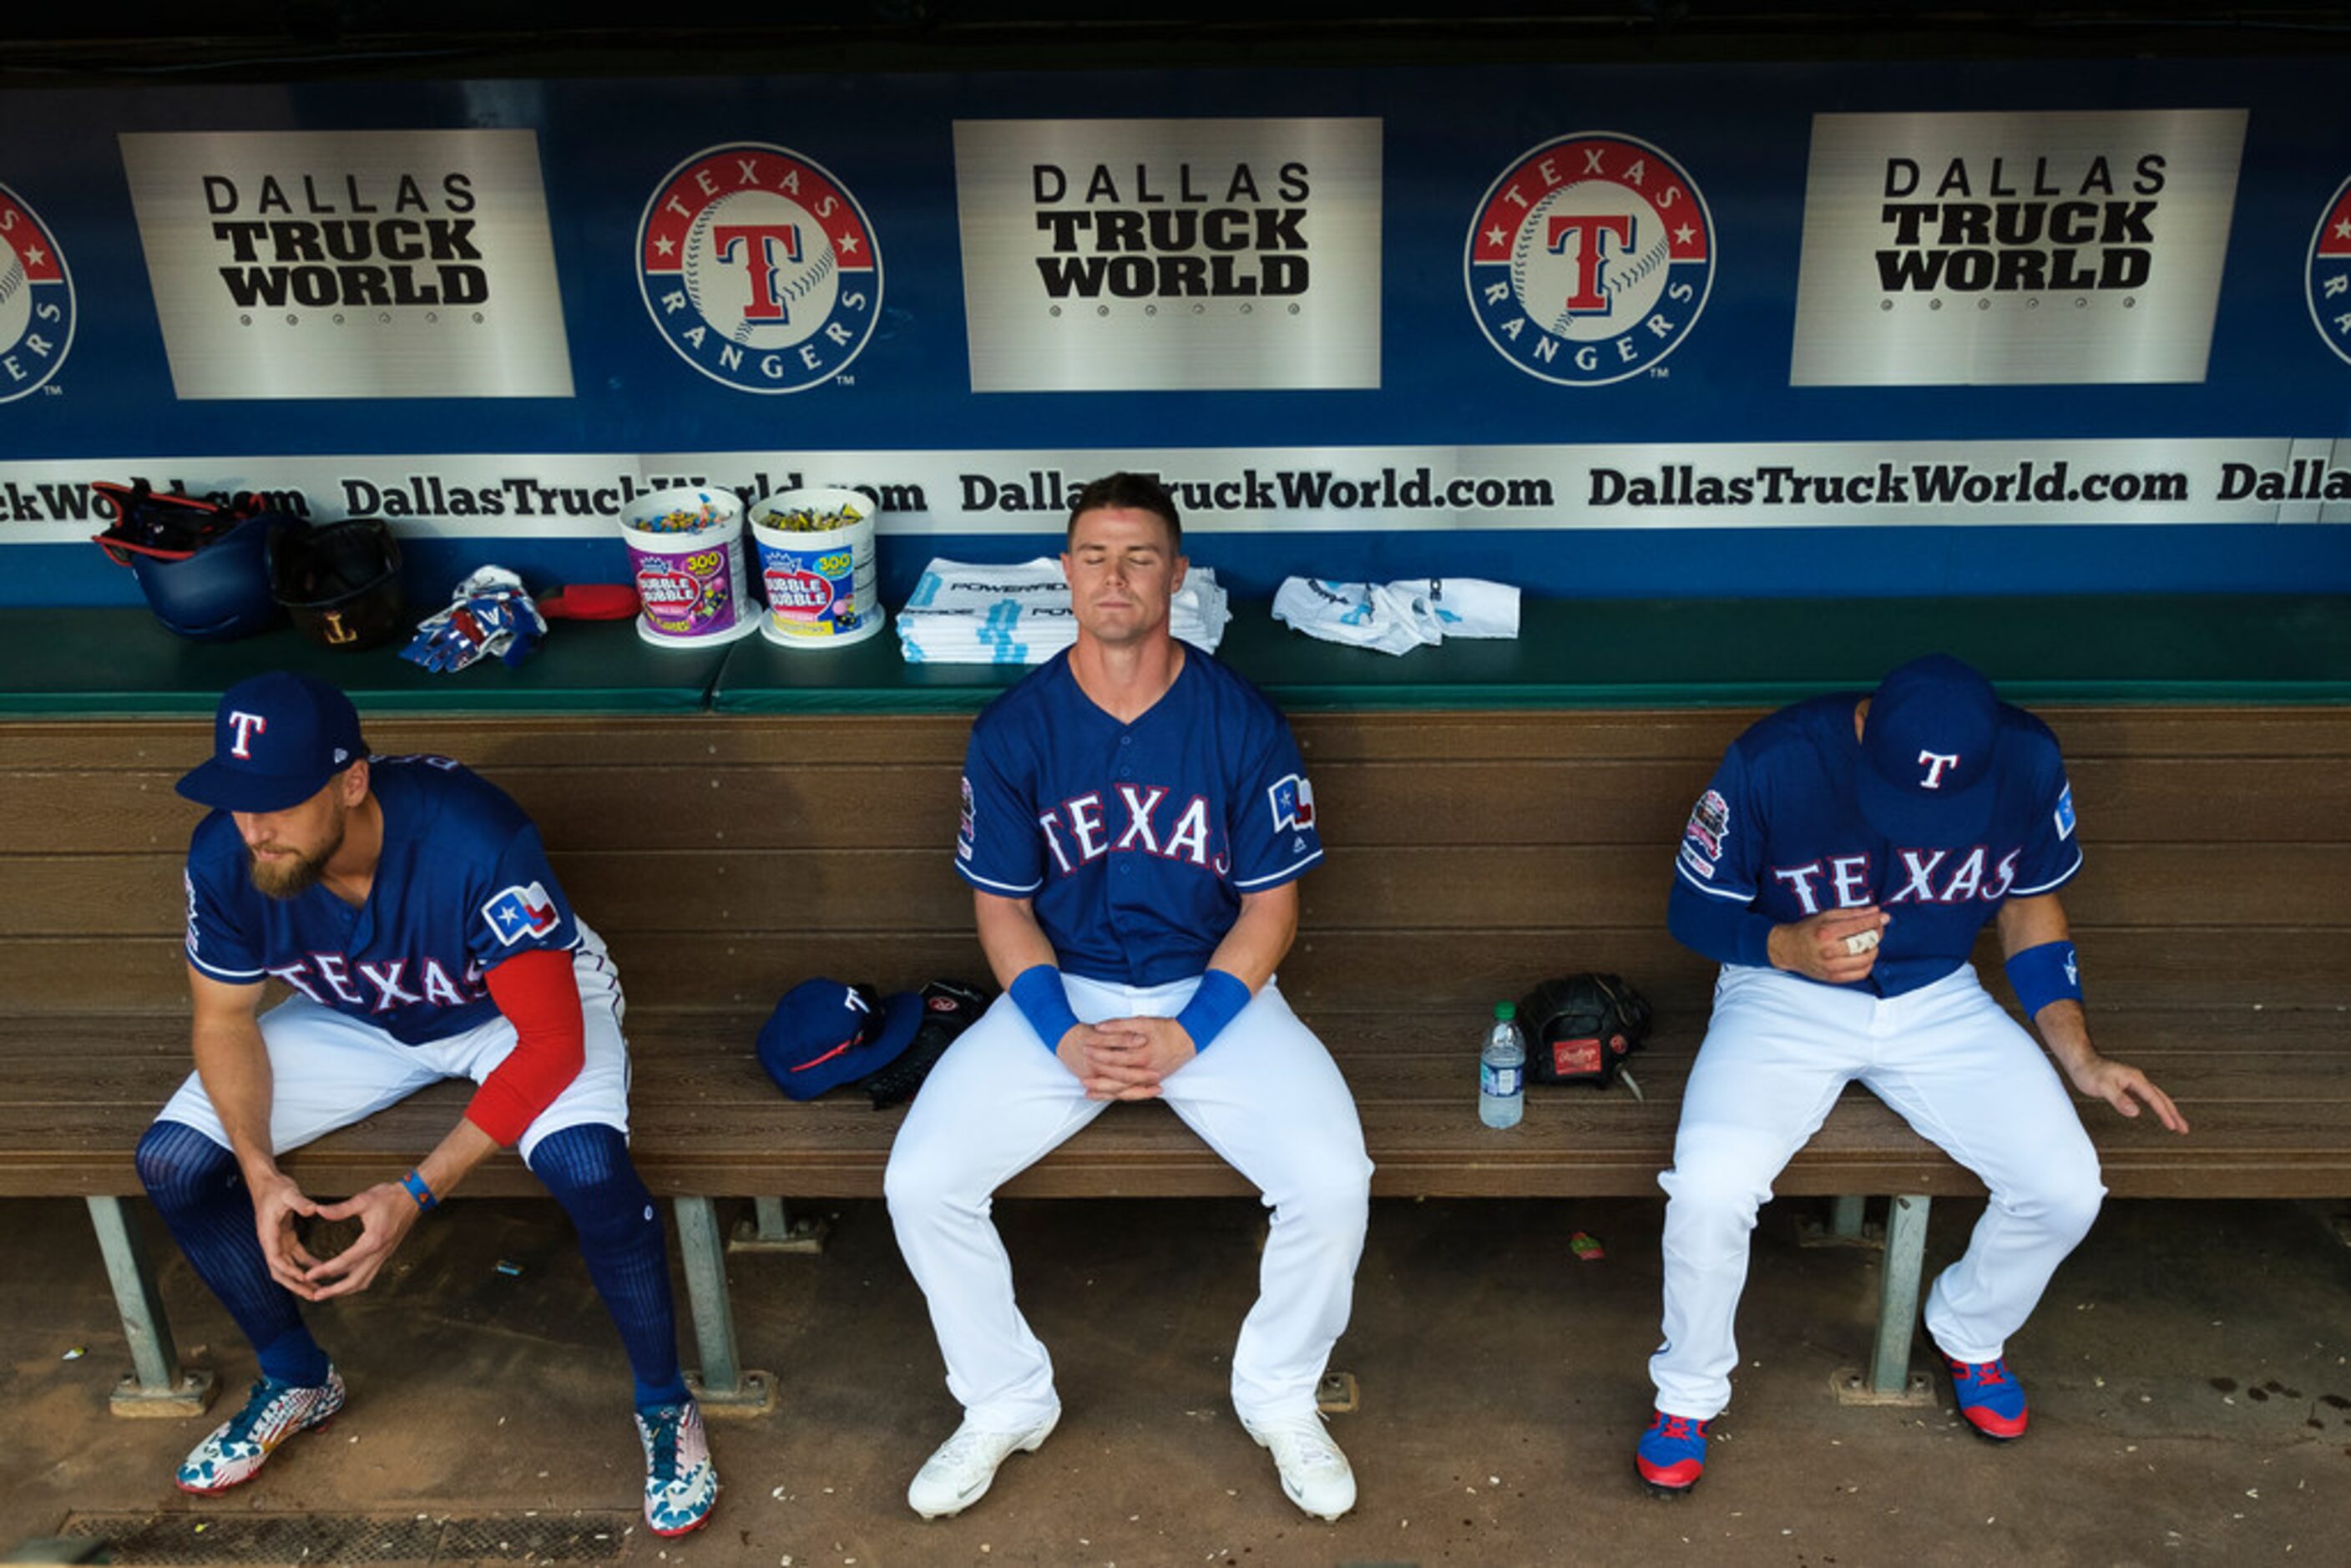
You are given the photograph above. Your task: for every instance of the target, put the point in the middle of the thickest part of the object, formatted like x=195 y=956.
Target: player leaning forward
x=409 y=906
x=1134 y=818
x=1840 y=866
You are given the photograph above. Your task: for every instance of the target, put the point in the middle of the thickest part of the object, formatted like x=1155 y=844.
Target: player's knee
x=1719 y=1179
x=1334 y=1199
x=586 y=1166
x=177 y=1165
x=915 y=1184
x=2064 y=1200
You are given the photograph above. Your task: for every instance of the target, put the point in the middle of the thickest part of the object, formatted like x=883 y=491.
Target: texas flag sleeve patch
x=520 y=911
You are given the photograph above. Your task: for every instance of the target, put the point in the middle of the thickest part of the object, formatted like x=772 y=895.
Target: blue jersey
x=1780 y=831
x=463 y=886
x=1135 y=840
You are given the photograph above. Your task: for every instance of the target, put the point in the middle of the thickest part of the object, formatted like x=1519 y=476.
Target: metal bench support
x=1889 y=1380
x=1845 y=1227
x=157 y=1386
x=723 y=1388
x=774 y=1230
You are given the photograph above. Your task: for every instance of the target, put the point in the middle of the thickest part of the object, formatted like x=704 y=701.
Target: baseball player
x=408 y=907
x=1840 y=866
x=1134 y=821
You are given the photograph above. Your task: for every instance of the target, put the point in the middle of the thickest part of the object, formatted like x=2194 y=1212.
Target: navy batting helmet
x=202 y=567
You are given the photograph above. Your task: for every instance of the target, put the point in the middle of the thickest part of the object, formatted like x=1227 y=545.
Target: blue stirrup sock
x=588 y=1170
x=196 y=1187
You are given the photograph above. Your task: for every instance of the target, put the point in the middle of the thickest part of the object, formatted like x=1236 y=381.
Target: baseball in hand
x=1861 y=942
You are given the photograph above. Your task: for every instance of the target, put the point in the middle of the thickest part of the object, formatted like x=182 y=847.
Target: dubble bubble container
x=820 y=581
x=685 y=546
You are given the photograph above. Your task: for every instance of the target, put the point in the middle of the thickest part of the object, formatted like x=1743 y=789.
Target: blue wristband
x=1218 y=1001
x=2049 y=973
x=420 y=1192
x=1044 y=1002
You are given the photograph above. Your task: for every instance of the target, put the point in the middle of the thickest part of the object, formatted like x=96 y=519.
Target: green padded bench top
x=73 y=663
x=1758 y=652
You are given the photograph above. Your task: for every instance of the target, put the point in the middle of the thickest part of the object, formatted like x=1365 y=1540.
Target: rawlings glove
x=1581 y=1028
x=949 y=1008
x=488 y=613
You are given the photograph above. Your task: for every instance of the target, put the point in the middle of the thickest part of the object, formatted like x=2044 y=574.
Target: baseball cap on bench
x=1929 y=739
x=276 y=739
x=824 y=1033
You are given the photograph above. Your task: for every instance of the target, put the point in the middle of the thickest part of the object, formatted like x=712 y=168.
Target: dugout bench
x=737 y=820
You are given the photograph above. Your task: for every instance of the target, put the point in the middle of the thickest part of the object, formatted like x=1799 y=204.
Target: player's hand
x=2126 y=1088
x=277 y=1202
x=1167 y=1046
x=1820 y=946
x=1111 y=1059
x=386 y=1213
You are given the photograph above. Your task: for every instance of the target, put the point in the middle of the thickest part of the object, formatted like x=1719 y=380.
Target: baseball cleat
x=1990 y=1397
x=1671 y=1455
x=681 y=1483
x=964 y=1468
x=240 y=1446
x=1314 y=1473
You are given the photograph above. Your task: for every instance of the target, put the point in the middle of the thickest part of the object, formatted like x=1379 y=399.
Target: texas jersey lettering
x=1795 y=771
x=1135 y=842
x=450 y=841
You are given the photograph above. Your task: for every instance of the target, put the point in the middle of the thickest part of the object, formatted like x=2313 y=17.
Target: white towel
x=965 y=614
x=1398 y=617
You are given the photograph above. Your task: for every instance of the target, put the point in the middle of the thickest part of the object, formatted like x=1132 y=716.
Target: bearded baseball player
x=1840 y=866
x=1135 y=818
x=408 y=906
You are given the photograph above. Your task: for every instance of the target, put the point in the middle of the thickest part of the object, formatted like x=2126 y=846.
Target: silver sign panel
x=350 y=263
x=1985 y=249
x=1170 y=255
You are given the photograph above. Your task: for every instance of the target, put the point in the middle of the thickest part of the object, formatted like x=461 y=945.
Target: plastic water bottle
x=1502 y=1070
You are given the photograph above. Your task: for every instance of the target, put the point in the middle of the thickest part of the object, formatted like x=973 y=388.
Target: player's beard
x=290 y=876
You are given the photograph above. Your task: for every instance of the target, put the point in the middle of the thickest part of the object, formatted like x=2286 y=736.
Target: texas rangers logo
x=37 y=301
x=1591 y=259
x=520 y=911
x=760 y=269
x=2326 y=279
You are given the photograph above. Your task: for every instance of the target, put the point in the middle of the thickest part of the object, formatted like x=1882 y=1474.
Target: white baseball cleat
x=963 y=1469
x=1314 y=1472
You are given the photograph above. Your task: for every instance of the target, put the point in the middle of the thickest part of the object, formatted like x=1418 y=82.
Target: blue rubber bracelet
x=420 y=1192
x=2049 y=973
x=1218 y=1001
x=1044 y=1002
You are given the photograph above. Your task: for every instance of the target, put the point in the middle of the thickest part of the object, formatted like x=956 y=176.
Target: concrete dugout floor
x=2192 y=1401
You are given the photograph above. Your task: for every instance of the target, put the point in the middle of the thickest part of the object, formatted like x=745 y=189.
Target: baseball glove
x=949 y=1008
x=1581 y=1028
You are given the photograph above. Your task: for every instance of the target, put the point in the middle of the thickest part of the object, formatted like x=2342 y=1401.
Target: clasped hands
x=385 y=1212
x=1125 y=1058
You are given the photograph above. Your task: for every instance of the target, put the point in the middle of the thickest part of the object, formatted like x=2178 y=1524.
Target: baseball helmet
x=340 y=584
x=204 y=567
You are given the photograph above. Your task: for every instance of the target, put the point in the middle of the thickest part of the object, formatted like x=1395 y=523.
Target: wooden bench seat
x=725 y=855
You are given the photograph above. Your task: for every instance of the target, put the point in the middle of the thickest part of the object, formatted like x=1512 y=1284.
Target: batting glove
x=488 y=613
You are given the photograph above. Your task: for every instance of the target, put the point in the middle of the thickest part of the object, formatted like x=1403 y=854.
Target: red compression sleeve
x=541 y=997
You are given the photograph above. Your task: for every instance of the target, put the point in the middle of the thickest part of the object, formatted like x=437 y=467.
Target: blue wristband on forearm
x=423 y=1194
x=2049 y=973
x=1044 y=1002
x=1218 y=1001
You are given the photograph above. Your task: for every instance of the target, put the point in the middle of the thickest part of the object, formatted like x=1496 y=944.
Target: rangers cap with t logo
x=1928 y=743
x=276 y=739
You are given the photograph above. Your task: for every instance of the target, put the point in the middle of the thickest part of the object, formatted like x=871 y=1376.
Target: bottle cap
x=1506 y=1011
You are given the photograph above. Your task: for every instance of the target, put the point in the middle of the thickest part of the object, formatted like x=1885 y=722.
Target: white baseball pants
x=1954 y=1065
x=1266 y=1096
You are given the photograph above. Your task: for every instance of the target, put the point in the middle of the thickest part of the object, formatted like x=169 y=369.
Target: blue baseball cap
x=1929 y=741
x=824 y=1034
x=276 y=739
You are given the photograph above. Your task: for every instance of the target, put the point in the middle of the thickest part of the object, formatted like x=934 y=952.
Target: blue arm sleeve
x=1725 y=932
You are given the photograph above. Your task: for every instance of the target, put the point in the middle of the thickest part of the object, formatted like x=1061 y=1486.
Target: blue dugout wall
x=1872 y=328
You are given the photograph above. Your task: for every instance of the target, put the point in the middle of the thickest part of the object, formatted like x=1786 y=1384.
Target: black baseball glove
x=949 y=1008
x=1581 y=1028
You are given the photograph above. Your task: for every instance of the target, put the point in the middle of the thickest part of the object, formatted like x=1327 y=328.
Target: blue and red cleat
x=1990 y=1397
x=1671 y=1455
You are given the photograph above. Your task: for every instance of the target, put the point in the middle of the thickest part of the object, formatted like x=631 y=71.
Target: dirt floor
x=2191 y=1401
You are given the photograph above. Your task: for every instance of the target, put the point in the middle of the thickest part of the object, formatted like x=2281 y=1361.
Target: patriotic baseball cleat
x=681 y=1483
x=1671 y=1455
x=272 y=1412
x=1990 y=1397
